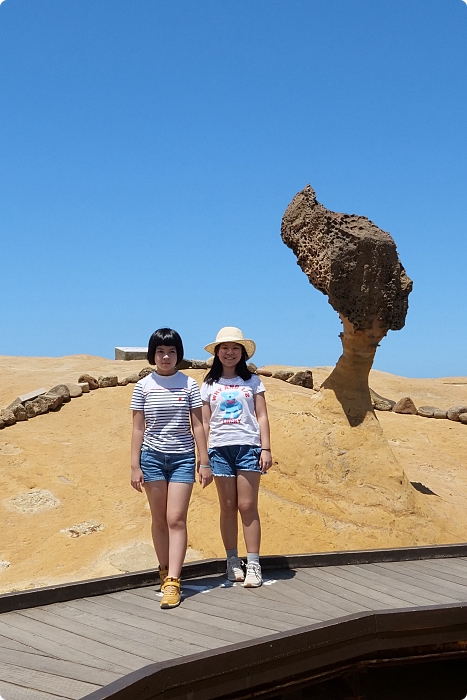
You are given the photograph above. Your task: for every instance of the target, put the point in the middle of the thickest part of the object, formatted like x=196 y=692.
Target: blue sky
x=148 y=151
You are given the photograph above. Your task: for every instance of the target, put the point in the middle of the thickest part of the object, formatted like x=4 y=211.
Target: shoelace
x=170 y=589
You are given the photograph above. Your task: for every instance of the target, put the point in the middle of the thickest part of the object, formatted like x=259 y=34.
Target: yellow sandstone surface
x=68 y=512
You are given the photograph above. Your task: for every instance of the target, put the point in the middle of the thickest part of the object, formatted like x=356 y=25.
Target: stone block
x=32 y=395
x=75 y=390
x=130 y=353
x=84 y=387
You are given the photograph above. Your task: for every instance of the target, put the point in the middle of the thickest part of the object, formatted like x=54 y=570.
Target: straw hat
x=230 y=334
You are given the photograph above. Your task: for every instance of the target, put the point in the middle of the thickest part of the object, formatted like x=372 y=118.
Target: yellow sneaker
x=172 y=593
x=163 y=572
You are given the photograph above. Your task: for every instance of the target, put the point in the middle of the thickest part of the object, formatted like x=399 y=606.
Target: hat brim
x=249 y=345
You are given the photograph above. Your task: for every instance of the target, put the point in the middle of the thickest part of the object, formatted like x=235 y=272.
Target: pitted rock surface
x=351 y=260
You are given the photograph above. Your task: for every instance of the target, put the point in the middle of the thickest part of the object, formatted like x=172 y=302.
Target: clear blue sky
x=149 y=149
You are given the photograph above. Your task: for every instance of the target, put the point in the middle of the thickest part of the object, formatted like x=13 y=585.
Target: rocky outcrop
x=92 y=381
x=303 y=378
x=355 y=264
x=283 y=374
x=61 y=390
x=455 y=411
x=427 y=411
x=145 y=371
x=405 y=405
x=108 y=380
x=380 y=403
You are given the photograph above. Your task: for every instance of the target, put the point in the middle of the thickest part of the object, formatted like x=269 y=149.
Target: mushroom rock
x=355 y=264
x=344 y=460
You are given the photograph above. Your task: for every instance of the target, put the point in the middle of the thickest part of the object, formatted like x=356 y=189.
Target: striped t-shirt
x=167 y=402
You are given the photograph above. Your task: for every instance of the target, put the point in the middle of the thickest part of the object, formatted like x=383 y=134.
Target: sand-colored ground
x=314 y=498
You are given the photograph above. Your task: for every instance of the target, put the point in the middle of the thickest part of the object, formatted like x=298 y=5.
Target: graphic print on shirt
x=231 y=407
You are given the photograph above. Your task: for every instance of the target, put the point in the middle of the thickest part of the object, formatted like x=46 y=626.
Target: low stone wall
x=41 y=401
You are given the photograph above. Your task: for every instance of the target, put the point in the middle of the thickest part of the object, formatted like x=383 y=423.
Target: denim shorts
x=162 y=466
x=228 y=459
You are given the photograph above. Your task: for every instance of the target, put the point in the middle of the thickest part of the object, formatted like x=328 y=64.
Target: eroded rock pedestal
x=356 y=265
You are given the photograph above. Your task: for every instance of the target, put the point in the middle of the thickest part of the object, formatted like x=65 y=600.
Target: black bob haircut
x=164 y=336
x=215 y=372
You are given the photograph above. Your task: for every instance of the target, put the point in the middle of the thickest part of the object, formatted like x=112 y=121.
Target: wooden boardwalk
x=73 y=648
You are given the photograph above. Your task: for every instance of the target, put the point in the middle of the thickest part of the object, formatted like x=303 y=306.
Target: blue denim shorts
x=160 y=466
x=228 y=459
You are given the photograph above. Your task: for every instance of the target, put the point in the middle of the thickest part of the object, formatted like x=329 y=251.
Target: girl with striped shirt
x=167 y=422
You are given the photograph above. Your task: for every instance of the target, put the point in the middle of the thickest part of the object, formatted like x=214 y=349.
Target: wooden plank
x=159 y=643
x=149 y=609
x=64 y=687
x=229 y=619
x=6 y=643
x=444 y=581
x=246 y=600
x=459 y=565
x=381 y=586
x=113 y=635
x=201 y=618
x=101 y=650
x=414 y=578
x=244 y=605
x=57 y=650
x=459 y=575
x=217 y=612
x=318 y=609
x=401 y=582
x=320 y=592
x=333 y=584
x=15 y=692
x=332 y=605
x=58 y=667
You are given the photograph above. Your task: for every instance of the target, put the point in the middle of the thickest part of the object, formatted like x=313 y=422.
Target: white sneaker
x=253 y=578
x=235 y=569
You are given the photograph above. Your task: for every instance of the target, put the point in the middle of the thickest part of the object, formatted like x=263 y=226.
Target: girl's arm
x=265 y=460
x=137 y=479
x=204 y=470
x=206 y=419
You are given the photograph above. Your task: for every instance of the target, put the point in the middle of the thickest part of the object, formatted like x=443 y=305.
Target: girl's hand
x=137 y=478
x=205 y=476
x=265 y=460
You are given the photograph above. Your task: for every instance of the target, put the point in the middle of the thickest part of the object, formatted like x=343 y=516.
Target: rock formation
x=351 y=467
x=356 y=265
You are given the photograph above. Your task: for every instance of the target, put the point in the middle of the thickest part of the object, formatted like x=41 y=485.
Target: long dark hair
x=215 y=372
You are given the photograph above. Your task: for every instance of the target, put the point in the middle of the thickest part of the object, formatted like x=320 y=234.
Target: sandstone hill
x=67 y=511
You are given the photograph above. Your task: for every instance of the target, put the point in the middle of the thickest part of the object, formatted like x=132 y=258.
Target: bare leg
x=178 y=499
x=247 y=494
x=227 y=492
x=156 y=492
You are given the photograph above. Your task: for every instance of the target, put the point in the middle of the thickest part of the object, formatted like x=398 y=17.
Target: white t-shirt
x=167 y=402
x=233 y=420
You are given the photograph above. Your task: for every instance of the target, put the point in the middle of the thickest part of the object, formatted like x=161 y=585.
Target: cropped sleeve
x=195 y=397
x=205 y=392
x=258 y=386
x=137 y=400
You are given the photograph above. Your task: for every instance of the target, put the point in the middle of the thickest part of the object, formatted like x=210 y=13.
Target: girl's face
x=230 y=354
x=166 y=359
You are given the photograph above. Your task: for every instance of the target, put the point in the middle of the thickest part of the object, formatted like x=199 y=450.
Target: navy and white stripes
x=167 y=402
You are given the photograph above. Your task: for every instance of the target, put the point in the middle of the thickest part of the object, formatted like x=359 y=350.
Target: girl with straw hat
x=236 y=421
